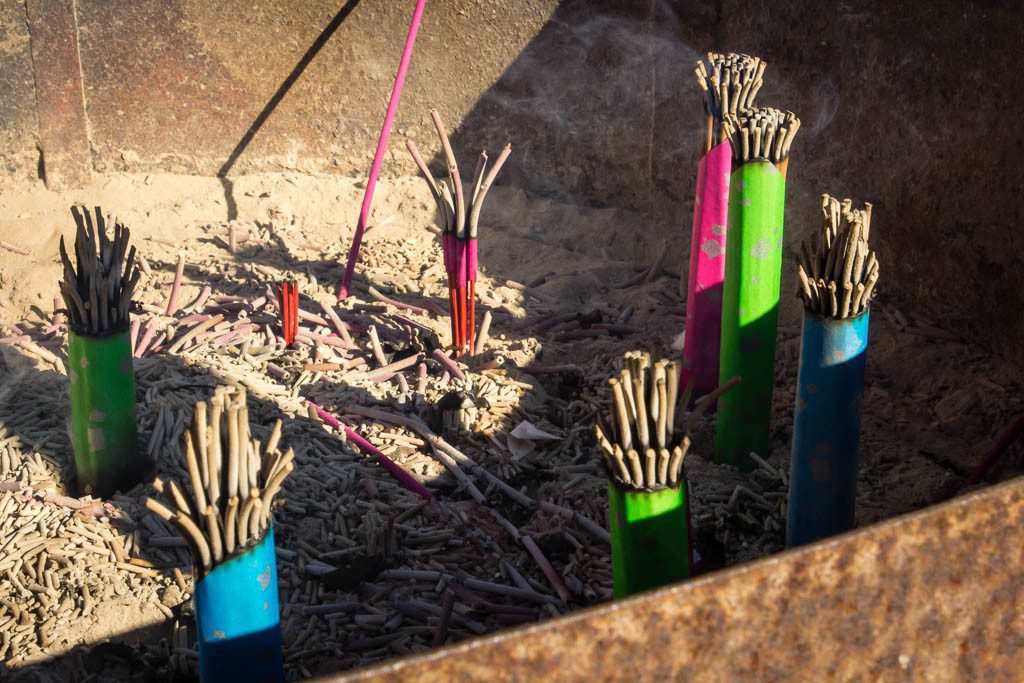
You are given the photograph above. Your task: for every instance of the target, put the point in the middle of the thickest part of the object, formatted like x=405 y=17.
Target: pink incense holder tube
x=707 y=270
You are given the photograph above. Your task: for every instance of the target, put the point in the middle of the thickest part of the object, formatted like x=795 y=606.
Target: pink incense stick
x=382 y=143
x=403 y=477
x=471 y=268
x=707 y=270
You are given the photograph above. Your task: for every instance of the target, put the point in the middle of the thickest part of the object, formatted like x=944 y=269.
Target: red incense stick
x=992 y=456
x=288 y=298
x=382 y=143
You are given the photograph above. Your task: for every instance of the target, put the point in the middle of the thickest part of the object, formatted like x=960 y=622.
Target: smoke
x=593 y=104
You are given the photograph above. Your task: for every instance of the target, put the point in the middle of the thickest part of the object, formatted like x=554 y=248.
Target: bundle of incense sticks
x=761 y=140
x=838 y=273
x=641 y=451
x=233 y=481
x=730 y=83
x=838 y=270
x=761 y=133
x=288 y=299
x=460 y=218
x=99 y=294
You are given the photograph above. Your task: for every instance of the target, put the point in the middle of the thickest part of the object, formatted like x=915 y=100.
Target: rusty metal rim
x=895 y=596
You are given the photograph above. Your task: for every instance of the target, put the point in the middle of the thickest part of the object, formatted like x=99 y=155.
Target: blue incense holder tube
x=238 y=619
x=826 y=433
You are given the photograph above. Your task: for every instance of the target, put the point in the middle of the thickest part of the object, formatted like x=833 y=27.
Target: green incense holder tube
x=103 y=428
x=650 y=538
x=753 y=272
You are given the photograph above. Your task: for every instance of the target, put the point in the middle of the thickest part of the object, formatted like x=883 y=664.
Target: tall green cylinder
x=650 y=538
x=750 y=306
x=103 y=428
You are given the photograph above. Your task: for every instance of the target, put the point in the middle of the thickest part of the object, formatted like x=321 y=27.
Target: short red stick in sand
x=288 y=298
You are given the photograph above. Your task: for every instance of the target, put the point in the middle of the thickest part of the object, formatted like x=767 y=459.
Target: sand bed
x=363 y=565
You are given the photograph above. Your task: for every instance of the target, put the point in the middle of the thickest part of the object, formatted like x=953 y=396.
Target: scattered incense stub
x=453 y=409
x=459 y=210
x=830 y=383
x=729 y=82
x=760 y=140
x=98 y=296
x=647 y=491
x=225 y=516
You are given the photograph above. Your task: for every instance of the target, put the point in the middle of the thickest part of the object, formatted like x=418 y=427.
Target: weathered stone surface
x=176 y=85
x=18 y=130
x=905 y=104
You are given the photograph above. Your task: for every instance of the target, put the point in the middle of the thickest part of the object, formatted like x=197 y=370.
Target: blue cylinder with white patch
x=237 y=617
x=826 y=430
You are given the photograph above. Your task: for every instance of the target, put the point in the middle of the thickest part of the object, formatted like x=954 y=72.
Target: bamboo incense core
x=837 y=268
x=227 y=506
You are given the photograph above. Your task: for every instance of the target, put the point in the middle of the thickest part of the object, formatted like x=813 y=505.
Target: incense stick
x=99 y=293
x=221 y=456
x=382 y=143
x=460 y=216
x=837 y=268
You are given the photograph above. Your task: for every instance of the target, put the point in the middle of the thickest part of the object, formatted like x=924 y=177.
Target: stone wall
x=903 y=103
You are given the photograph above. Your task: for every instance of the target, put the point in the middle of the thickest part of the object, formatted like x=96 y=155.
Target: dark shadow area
x=747 y=409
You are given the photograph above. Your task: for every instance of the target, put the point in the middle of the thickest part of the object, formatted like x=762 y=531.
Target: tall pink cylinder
x=707 y=270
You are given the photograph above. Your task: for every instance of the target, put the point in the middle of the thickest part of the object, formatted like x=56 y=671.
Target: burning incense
x=762 y=134
x=225 y=517
x=760 y=140
x=460 y=219
x=648 y=499
x=730 y=82
x=830 y=385
x=98 y=296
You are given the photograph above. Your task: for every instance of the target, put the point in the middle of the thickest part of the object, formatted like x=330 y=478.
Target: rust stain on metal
x=63 y=133
x=935 y=595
